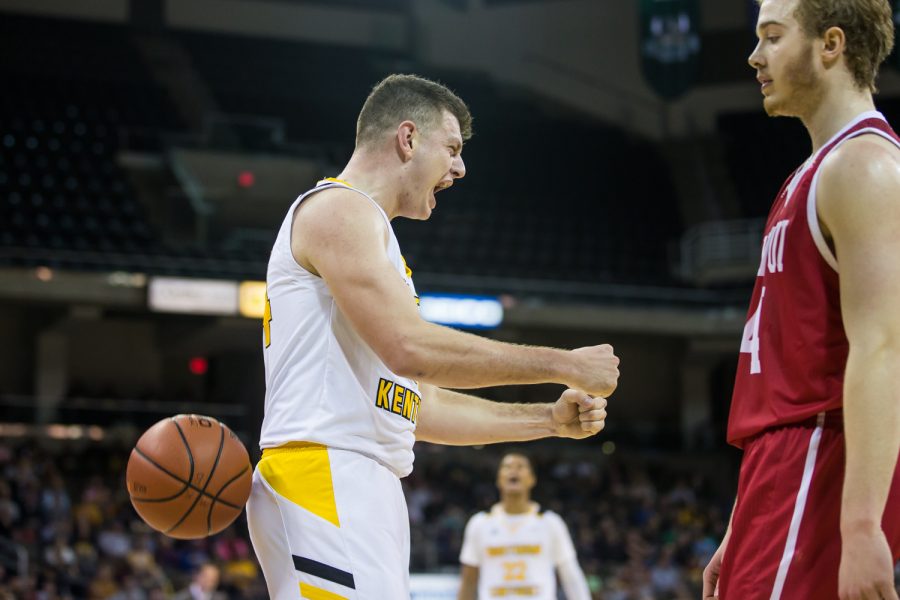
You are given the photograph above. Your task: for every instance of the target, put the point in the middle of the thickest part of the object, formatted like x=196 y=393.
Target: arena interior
x=617 y=181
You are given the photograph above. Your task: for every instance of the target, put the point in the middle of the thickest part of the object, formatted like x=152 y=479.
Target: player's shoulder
x=335 y=207
x=481 y=515
x=549 y=515
x=338 y=218
x=865 y=167
x=478 y=519
x=861 y=157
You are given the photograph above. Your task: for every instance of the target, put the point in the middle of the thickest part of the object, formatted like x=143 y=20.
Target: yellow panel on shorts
x=311 y=592
x=302 y=474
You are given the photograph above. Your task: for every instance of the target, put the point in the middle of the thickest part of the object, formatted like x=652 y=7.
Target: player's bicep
x=859 y=202
x=343 y=239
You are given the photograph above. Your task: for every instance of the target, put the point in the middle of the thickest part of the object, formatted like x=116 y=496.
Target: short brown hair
x=520 y=454
x=867 y=24
x=397 y=98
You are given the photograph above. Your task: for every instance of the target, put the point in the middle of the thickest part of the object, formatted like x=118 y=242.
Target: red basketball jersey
x=794 y=349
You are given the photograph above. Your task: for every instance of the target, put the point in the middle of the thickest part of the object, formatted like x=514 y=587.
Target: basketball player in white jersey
x=516 y=550
x=354 y=375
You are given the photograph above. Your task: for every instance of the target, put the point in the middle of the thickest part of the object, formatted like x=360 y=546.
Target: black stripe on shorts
x=317 y=569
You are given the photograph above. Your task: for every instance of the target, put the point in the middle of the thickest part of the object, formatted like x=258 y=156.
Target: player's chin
x=421 y=215
x=425 y=209
x=774 y=108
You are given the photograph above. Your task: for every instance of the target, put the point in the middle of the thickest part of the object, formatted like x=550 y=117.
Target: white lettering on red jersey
x=794 y=349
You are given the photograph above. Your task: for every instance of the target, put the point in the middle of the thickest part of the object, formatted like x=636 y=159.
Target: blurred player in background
x=354 y=374
x=516 y=549
x=816 y=404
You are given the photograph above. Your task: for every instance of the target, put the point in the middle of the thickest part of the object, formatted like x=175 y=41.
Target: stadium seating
x=560 y=200
x=71 y=88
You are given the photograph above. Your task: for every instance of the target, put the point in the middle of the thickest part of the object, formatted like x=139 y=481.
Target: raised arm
x=340 y=236
x=859 y=205
x=456 y=419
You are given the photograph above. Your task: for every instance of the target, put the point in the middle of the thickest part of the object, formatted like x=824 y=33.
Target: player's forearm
x=468 y=583
x=872 y=431
x=466 y=592
x=456 y=419
x=450 y=358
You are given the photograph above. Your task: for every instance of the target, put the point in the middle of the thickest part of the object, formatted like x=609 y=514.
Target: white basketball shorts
x=329 y=524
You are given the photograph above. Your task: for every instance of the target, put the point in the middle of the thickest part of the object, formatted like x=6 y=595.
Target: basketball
x=189 y=476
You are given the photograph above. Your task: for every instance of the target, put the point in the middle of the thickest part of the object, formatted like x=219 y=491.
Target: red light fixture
x=198 y=365
x=246 y=179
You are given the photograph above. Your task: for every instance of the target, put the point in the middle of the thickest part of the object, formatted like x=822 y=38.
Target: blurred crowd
x=68 y=531
x=644 y=526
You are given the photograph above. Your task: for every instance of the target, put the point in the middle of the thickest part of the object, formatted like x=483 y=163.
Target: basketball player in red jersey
x=816 y=404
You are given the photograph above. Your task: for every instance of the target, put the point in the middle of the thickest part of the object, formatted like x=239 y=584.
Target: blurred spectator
x=55 y=500
x=114 y=542
x=104 y=584
x=204 y=585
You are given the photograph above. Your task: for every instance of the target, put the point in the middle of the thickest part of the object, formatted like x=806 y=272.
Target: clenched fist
x=596 y=370
x=578 y=415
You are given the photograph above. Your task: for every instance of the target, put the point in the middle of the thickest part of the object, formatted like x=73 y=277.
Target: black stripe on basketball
x=187 y=484
x=219 y=493
x=187 y=447
x=208 y=477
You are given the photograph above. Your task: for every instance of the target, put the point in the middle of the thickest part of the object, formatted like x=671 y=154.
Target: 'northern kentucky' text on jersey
x=324 y=384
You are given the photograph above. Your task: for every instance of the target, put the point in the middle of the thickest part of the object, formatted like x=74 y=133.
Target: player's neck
x=839 y=107
x=516 y=504
x=365 y=173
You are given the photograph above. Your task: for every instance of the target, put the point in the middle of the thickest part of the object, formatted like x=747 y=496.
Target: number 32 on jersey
x=750 y=341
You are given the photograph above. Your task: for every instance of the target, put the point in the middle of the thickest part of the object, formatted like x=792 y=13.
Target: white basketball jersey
x=516 y=555
x=324 y=384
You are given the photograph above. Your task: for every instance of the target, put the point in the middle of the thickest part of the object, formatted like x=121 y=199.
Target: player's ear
x=834 y=42
x=407 y=138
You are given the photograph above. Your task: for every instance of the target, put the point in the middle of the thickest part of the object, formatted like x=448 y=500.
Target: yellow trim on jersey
x=301 y=472
x=336 y=180
x=502 y=592
x=267 y=319
x=406 y=267
x=504 y=550
x=311 y=592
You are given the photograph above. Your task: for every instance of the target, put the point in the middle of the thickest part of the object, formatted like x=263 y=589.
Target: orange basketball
x=189 y=476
